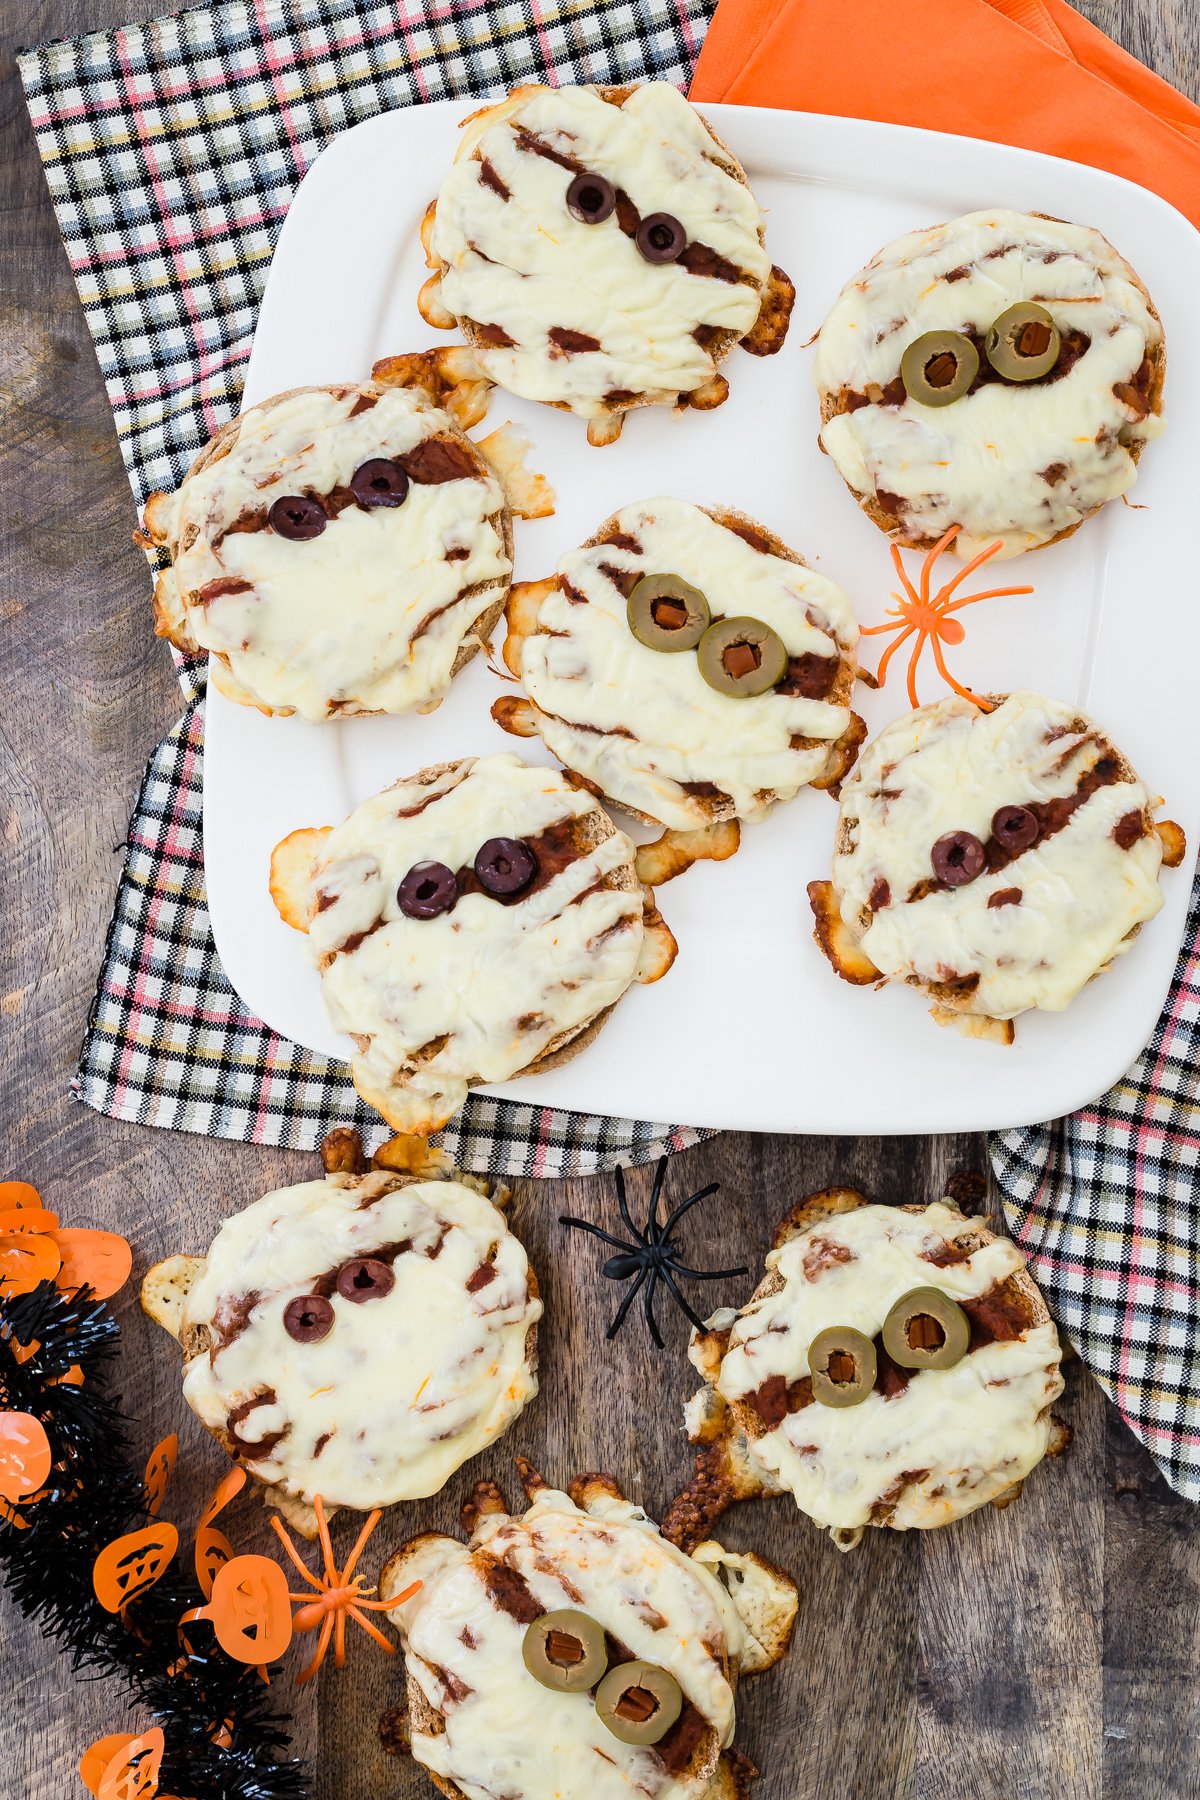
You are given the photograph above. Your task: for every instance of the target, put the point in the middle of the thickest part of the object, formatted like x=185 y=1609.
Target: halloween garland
x=73 y=1511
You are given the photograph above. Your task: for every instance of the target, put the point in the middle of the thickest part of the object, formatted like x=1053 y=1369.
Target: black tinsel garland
x=196 y=1693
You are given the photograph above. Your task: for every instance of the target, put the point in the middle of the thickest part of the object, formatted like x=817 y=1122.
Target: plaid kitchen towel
x=172 y=150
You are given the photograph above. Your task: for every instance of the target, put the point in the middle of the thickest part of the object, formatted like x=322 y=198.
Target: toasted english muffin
x=476 y=1710
x=600 y=249
x=1023 y=460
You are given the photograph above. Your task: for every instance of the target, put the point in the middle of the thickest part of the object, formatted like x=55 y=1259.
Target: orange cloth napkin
x=1028 y=72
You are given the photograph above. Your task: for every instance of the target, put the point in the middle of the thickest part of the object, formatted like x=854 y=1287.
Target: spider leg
x=922 y=636
x=927 y=565
x=969 y=568
x=372 y=1521
x=339 y=1641
x=650 y=1235
x=323 y=1533
x=322 y=1646
x=371 y=1630
x=285 y=1540
x=598 y=1232
x=902 y=572
x=685 y=1304
x=623 y=1207
x=627 y=1302
x=885 y=659
x=947 y=677
x=674 y=1217
x=987 y=594
x=678 y=1268
x=648 y=1306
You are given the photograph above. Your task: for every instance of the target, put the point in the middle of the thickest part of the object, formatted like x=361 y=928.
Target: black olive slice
x=957 y=858
x=297 y=516
x=590 y=198
x=842 y=1363
x=308 y=1318
x=428 y=889
x=638 y=1702
x=939 y=367
x=667 y=613
x=1015 y=827
x=566 y=1651
x=742 y=657
x=365 y=1279
x=505 y=866
x=1023 y=342
x=379 y=482
x=661 y=238
x=926 y=1330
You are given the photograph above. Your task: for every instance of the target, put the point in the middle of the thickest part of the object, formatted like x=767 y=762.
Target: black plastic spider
x=651 y=1256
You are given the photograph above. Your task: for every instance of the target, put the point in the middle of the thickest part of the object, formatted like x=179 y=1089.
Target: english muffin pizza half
x=600 y=249
x=335 y=550
x=895 y=1367
x=996 y=860
x=358 y=1337
x=570 y=1649
x=688 y=666
x=474 y=922
x=1000 y=373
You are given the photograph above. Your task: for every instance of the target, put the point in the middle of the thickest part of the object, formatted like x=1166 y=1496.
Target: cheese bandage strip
x=1019 y=461
x=406 y=1386
x=950 y=1439
x=480 y=992
x=572 y=313
x=1037 y=924
x=644 y=725
x=373 y=614
x=504 y=1732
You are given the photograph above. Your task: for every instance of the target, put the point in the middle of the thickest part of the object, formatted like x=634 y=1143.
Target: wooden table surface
x=1047 y=1651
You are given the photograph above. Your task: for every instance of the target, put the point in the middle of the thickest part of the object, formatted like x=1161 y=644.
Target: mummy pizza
x=600 y=249
x=896 y=1366
x=335 y=550
x=359 y=1337
x=997 y=860
x=1000 y=373
x=472 y=923
x=687 y=665
x=571 y=1649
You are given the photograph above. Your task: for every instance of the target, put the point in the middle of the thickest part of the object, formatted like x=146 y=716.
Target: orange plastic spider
x=339 y=1594
x=929 y=618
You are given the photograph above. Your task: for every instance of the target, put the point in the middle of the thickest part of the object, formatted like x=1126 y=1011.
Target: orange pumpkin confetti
x=26 y=1258
x=213 y=1549
x=100 y=1260
x=97 y=1756
x=24 y=1455
x=249 y=1610
x=133 y=1563
x=72 y=1378
x=928 y=618
x=339 y=1594
x=28 y=1218
x=18 y=1193
x=158 y=1472
x=132 y=1774
x=227 y=1489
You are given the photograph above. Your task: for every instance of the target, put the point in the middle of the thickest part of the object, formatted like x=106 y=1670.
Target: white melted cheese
x=948 y=767
x=979 y=462
x=526 y=265
x=404 y=1388
x=640 y=722
x=510 y=1736
x=370 y=615
x=497 y=981
x=958 y=1437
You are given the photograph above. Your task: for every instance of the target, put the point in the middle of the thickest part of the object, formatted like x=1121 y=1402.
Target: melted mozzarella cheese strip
x=497 y=982
x=370 y=615
x=509 y=1735
x=1019 y=461
x=404 y=1388
x=642 y=723
x=954 y=1437
x=948 y=767
x=526 y=266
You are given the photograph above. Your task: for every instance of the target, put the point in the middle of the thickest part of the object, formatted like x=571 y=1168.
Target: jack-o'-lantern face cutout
x=158 y=1472
x=99 y=1260
x=229 y=1486
x=213 y=1551
x=97 y=1757
x=123 y=1766
x=18 y=1195
x=26 y=1258
x=24 y=1455
x=27 y=1218
x=131 y=1564
x=249 y=1610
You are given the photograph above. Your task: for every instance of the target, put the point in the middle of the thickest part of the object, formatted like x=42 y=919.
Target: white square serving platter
x=751 y=1029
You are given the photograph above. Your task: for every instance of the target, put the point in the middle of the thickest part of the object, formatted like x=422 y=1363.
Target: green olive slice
x=742 y=657
x=1023 y=342
x=842 y=1364
x=566 y=1651
x=667 y=613
x=939 y=367
x=638 y=1702
x=926 y=1329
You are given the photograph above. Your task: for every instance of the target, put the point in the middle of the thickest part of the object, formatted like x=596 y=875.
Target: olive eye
x=638 y=1702
x=428 y=889
x=1023 y=342
x=843 y=1366
x=379 y=482
x=926 y=1330
x=505 y=867
x=297 y=516
x=667 y=613
x=566 y=1651
x=590 y=199
x=1015 y=827
x=308 y=1318
x=742 y=657
x=661 y=238
x=939 y=367
x=365 y=1279
x=957 y=858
